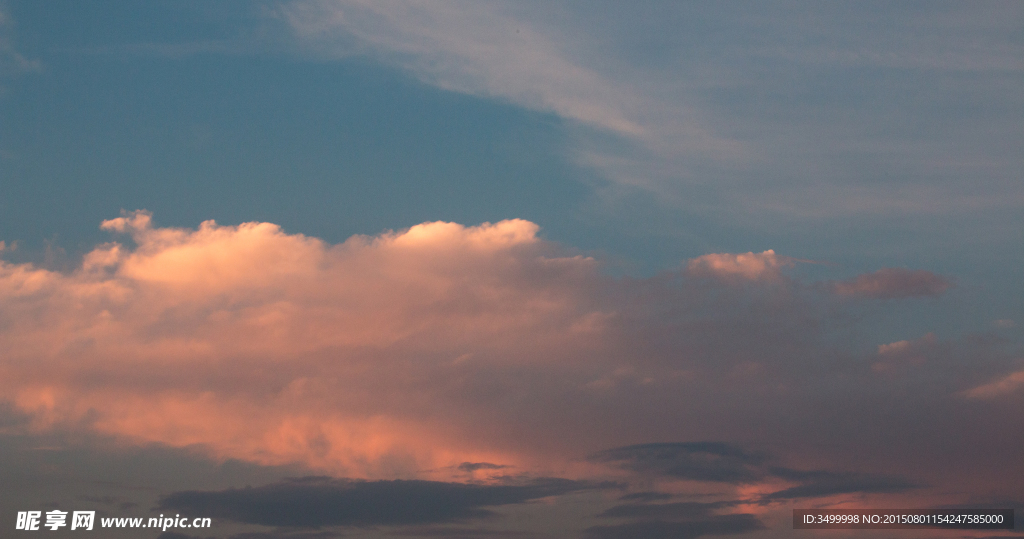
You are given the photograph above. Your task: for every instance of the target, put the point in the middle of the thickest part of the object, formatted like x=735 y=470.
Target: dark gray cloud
x=681 y=519
x=699 y=461
x=276 y=534
x=646 y=497
x=289 y=534
x=679 y=510
x=113 y=501
x=320 y=501
x=11 y=417
x=823 y=483
x=450 y=532
x=726 y=463
x=660 y=529
x=474 y=466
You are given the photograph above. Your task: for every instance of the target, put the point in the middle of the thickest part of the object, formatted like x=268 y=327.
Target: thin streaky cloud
x=469 y=47
x=12 y=61
x=1006 y=385
x=888 y=283
x=669 y=135
x=481 y=49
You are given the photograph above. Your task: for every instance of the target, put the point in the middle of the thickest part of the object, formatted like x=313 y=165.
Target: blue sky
x=822 y=193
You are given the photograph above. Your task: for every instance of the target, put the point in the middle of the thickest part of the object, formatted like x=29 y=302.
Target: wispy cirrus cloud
x=690 y=102
x=491 y=50
x=468 y=47
x=11 y=60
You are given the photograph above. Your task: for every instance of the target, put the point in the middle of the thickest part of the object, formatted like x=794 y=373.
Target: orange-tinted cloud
x=732 y=268
x=410 y=353
x=1004 y=385
x=890 y=283
x=902 y=355
x=279 y=348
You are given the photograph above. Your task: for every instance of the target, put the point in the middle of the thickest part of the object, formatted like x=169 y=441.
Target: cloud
x=278 y=348
x=380 y=357
x=706 y=109
x=733 y=268
x=821 y=484
x=647 y=496
x=453 y=532
x=175 y=535
x=680 y=519
x=499 y=51
x=657 y=529
x=664 y=510
x=888 y=283
x=277 y=534
x=444 y=352
x=468 y=47
x=474 y=466
x=905 y=354
x=1005 y=385
x=699 y=461
x=315 y=502
x=726 y=463
x=12 y=61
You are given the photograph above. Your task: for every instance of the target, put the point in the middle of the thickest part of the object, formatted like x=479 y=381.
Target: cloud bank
x=315 y=502
x=462 y=353
x=275 y=347
x=726 y=463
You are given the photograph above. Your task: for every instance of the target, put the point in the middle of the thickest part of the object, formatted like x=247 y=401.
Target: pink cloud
x=727 y=267
x=276 y=348
x=381 y=356
x=1005 y=385
x=409 y=353
x=903 y=355
x=890 y=283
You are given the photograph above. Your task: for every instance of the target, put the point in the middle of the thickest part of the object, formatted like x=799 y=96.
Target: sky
x=318 y=269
